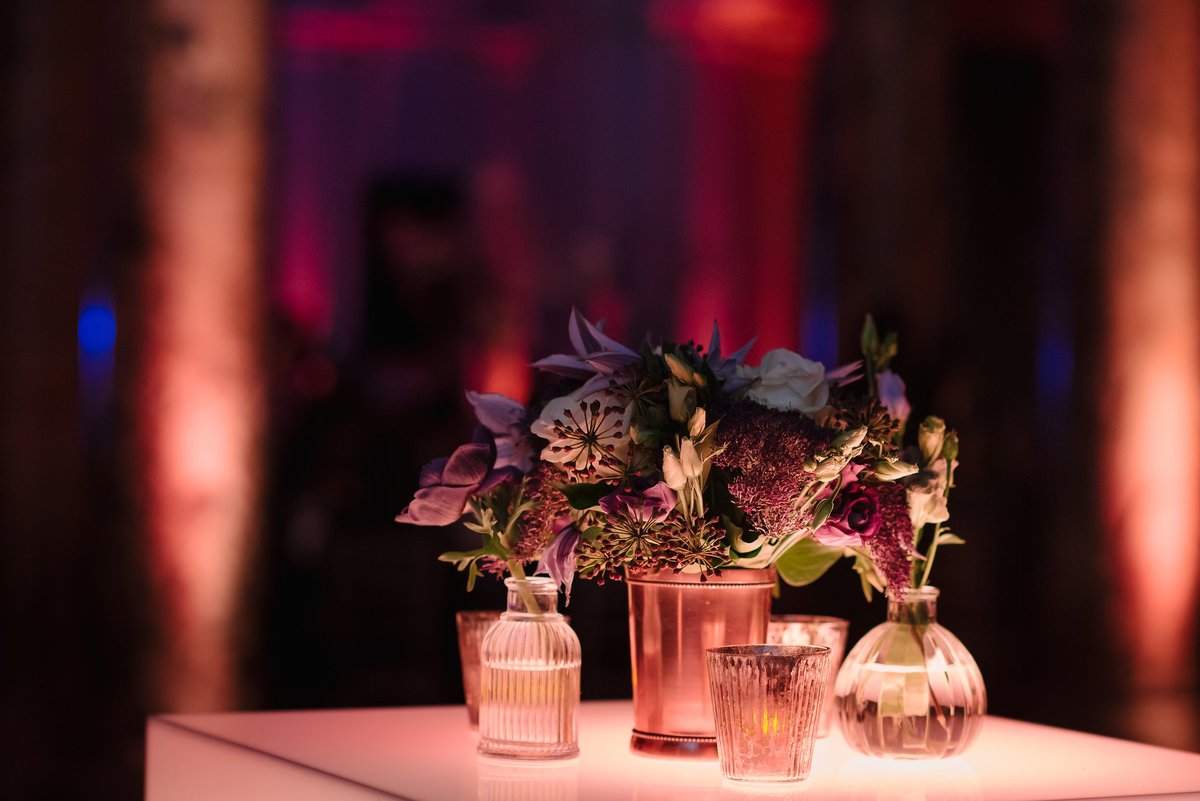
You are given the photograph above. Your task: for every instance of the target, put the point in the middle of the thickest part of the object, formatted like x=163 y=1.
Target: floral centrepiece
x=678 y=457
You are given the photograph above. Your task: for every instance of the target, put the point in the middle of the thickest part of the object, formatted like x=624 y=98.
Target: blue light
x=97 y=330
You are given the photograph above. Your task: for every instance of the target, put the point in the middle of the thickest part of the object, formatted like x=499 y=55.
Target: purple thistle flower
x=892 y=548
x=536 y=526
x=448 y=483
x=764 y=454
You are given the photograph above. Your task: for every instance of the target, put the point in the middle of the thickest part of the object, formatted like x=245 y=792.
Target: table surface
x=428 y=754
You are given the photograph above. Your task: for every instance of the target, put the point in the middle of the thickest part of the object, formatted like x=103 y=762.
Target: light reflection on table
x=427 y=754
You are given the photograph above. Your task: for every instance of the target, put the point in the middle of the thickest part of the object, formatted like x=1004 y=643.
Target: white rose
x=788 y=381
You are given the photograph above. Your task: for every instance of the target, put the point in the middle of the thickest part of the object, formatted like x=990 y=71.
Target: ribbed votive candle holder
x=766 y=705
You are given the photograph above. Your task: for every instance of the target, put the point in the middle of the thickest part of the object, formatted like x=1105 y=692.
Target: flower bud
x=850 y=440
x=931 y=438
x=950 y=448
x=892 y=469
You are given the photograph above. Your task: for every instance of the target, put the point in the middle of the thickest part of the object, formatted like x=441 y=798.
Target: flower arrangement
x=678 y=457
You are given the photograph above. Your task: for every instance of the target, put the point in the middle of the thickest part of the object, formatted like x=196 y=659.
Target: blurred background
x=256 y=250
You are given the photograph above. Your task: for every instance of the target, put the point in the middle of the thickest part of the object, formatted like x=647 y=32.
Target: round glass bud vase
x=909 y=689
x=529 y=681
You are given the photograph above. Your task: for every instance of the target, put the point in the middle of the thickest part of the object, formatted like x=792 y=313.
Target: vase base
x=668 y=746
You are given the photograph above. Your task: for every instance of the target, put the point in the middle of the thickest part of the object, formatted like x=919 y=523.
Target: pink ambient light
x=1151 y=394
x=200 y=404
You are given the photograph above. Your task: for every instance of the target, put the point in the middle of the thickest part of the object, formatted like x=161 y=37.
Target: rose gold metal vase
x=673 y=619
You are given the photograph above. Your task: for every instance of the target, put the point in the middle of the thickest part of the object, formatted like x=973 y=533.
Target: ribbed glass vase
x=909 y=689
x=529 y=683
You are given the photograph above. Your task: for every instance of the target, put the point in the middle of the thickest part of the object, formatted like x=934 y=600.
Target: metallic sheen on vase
x=673 y=619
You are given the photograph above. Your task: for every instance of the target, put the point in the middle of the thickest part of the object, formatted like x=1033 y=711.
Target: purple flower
x=559 y=558
x=855 y=519
x=891 y=395
x=595 y=353
x=725 y=368
x=505 y=417
x=446 y=484
x=846 y=374
x=651 y=505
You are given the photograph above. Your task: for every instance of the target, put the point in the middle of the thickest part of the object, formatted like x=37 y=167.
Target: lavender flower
x=446 y=484
x=505 y=418
x=559 y=558
x=595 y=353
x=725 y=368
x=891 y=395
x=651 y=505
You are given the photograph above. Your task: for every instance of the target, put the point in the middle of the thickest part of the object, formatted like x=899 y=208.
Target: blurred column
x=1151 y=393
x=200 y=406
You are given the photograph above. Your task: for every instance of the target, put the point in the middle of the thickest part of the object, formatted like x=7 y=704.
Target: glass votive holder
x=814 y=630
x=766 y=703
x=471 y=628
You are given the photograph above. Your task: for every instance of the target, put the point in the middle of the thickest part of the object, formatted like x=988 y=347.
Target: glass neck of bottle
x=917 y=607
x=522 y=593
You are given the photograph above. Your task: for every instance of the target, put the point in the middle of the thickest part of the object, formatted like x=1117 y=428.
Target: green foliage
x=585 y=496
x=807 y=561
x=867 y=574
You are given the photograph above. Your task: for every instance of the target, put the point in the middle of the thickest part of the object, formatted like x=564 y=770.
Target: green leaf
x=866 y=574
x=866 y=586
x=946 y=538
x=472 y=575
x=584 y=496
x=460 y=556
x=592 y=532
x=806 y=561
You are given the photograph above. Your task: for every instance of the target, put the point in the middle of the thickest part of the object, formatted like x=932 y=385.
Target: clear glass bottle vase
x=529 y=683
x=909 y=689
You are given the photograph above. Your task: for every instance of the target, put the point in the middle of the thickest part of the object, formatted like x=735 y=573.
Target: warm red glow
x=1152 y=393
x=746 y=209
x=200 y=409
x=768 y=36
x=350 y=32
x=303 y=285
x=502 y=219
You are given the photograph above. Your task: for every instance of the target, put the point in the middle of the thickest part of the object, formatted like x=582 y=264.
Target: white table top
x=428 y=754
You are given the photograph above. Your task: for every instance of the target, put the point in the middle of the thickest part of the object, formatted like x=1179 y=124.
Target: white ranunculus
x=789 y=382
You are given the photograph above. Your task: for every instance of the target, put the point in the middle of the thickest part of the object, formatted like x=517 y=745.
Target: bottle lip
x=536 y=583
x=926 y=593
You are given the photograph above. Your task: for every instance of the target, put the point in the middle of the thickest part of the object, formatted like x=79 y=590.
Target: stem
x=518 y=572
x=937 y=530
